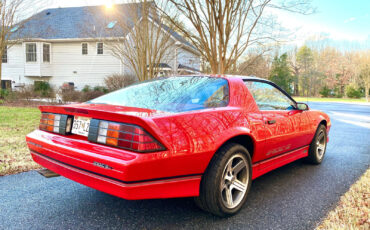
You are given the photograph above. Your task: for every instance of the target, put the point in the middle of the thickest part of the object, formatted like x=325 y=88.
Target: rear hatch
x=118 y=126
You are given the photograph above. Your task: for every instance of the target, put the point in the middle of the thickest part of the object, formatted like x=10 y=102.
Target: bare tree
x=256 y=63
x=296 y=69
x=149 y=41
x=364 y=75
x=223 y=30
x=9 y=23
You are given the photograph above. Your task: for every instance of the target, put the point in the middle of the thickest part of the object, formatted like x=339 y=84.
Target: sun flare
x=109 y=5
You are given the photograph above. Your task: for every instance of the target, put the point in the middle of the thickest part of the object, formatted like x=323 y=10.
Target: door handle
x=270 y=122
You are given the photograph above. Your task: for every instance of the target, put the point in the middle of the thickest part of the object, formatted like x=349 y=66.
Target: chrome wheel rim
x=320 y=145
x=235 y=179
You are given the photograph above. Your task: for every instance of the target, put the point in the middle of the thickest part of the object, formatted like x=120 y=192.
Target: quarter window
x=84 y=49
x=99 y=48
x=31 y=55
x=46 y=52
x=268 y=97
x=4 y=58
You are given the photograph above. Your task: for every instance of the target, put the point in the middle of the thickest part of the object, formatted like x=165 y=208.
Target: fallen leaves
x=353 y=210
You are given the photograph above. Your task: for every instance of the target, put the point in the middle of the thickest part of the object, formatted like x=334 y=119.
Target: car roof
x=229 y=76
x=243 y=77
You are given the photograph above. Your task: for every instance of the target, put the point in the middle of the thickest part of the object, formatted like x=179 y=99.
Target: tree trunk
x=1 y=66
x=296 y=91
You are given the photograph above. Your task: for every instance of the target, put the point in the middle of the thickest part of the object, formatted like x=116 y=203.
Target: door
x=6 y=84
x=282 y=121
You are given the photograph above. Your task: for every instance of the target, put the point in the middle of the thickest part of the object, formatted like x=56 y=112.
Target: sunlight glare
x=109 y=5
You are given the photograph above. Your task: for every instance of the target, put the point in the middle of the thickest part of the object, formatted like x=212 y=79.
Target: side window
x=99 y=48
x=31 y=53
x=4 y=58
x=84 y=49
x=268 y=97
x=46 y=52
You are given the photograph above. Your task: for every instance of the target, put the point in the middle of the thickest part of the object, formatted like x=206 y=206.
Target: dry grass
x=353 y=210
x=15 y=123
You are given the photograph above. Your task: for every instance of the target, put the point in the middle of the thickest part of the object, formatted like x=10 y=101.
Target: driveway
x=296 y=196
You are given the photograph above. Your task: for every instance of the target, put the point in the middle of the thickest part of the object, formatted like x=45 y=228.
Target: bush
x=100 y=89
x=325 y=92
x=118 y=81
x=86 y=89
x=43 y=89
x=70 y=95
x=28 y=92
x=3 y=93
x=337 y=93
x=352 y=92
x=87 y=96
x=41 y=86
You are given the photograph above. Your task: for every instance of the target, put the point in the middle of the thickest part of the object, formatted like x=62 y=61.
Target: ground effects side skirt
x=262 y=167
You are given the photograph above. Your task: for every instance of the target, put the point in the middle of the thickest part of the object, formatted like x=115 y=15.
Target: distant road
x=295 y=196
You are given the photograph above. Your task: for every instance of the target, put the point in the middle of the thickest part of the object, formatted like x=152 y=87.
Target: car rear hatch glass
x=173 y=94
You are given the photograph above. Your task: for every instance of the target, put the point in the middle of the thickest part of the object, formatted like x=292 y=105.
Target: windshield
x=173 y=94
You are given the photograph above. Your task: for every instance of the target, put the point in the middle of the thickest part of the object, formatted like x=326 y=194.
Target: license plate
x=81 y=125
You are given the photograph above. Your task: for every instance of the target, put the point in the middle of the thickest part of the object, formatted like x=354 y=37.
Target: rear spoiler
x=129 y=115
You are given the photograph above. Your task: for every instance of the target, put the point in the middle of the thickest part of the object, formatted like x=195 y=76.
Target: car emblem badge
x=102 y=165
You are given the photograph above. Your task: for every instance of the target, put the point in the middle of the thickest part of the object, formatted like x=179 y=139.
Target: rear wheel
x=227 y=181
x=318 y=146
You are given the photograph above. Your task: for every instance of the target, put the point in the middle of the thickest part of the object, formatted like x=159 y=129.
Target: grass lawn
x=15 y=123
x=329 y=99
x=353 y=210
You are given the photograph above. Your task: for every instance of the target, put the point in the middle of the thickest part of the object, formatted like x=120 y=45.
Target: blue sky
x=338 y=21
x=335 y=19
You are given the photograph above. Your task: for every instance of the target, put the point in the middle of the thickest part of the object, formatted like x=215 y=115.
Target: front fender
x=317 y=117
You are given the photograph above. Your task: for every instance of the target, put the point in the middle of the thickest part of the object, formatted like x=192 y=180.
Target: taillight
x=57 y=123
x=125 y=136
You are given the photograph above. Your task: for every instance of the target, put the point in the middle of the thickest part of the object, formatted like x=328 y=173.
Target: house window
x=4 y=58
x=84 y=48
x=31 y=55
x=99 y=48
x=46 y=52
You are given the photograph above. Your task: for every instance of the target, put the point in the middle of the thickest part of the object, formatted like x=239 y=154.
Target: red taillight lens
x=124 y=136
x=57 y=123
x=50 y=122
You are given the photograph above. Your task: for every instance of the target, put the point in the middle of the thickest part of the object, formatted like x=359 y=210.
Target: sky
x=338 y=22
x=341 y=21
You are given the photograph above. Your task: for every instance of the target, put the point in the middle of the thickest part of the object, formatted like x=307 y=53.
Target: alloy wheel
x=320 y=144
x=235 y=181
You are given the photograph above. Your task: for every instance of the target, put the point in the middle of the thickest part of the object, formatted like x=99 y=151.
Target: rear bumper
x=112 y=181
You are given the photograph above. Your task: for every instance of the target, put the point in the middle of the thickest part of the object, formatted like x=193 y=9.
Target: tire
x=224 y=187
x=317 y=149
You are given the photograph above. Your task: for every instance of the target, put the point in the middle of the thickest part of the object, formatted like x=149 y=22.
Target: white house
x=57 y=46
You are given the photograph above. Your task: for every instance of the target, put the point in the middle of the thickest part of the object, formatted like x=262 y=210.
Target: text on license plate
x=81 y=125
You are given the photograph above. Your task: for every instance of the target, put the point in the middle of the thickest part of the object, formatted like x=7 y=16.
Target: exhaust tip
x=47 y=173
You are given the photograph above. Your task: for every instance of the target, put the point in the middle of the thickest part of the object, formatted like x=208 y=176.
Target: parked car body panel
x=190 y=140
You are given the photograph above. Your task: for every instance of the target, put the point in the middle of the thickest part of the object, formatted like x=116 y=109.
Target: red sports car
x=206 y=137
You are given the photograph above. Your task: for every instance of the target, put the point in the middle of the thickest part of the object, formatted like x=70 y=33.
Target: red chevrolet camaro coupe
x=206 y=137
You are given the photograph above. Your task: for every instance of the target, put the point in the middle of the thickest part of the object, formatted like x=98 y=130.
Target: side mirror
x=302 y=106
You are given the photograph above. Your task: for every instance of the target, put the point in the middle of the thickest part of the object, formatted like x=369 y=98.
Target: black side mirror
x=302 y=106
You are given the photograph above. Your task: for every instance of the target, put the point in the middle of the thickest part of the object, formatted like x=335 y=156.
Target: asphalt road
x=296 y=196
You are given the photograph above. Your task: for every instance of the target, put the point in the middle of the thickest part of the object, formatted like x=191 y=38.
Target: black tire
x=316 y=156
x=214 y=187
